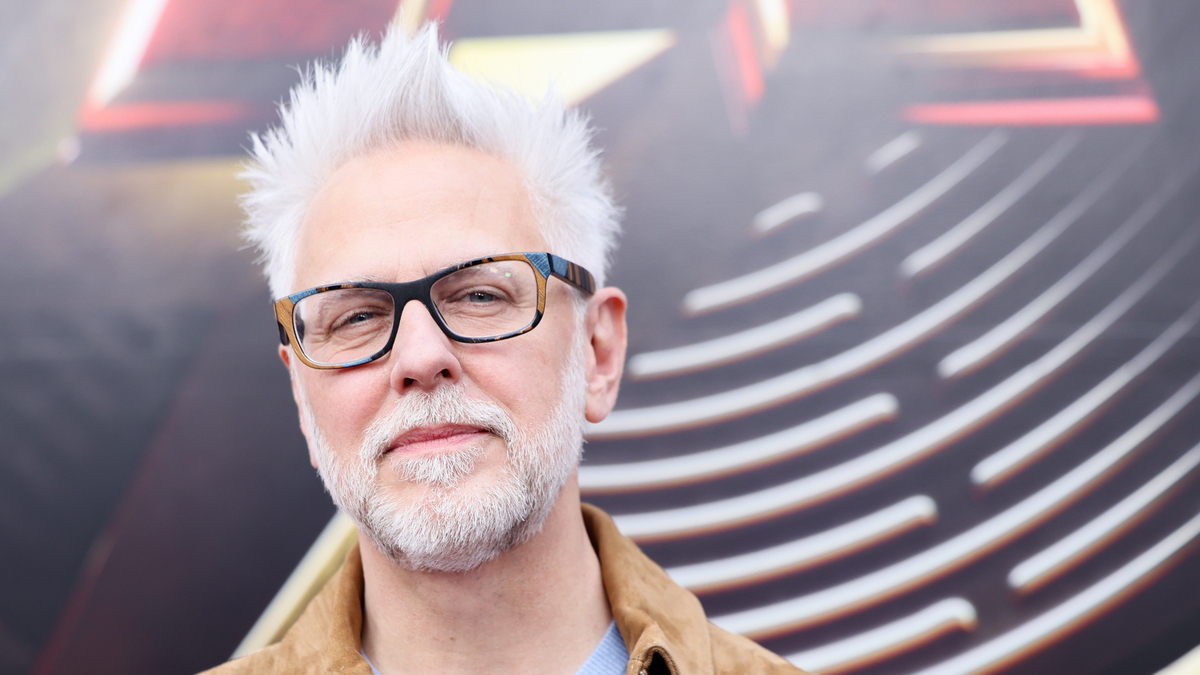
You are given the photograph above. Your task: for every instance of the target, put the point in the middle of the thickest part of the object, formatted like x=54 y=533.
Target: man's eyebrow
x=355 y=279
x=369 y=279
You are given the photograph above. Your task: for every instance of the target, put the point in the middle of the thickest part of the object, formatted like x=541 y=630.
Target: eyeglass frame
x=545 y=265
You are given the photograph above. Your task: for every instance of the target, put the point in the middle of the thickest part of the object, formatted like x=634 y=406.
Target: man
x=438 y=253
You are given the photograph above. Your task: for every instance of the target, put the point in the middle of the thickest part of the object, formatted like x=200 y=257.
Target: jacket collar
x=663 y=625
x=327 y=638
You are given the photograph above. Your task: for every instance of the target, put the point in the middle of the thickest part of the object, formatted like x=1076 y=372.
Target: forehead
x=405 y=213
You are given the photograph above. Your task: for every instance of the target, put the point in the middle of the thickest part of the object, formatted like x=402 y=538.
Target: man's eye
x=481 y=296
x=355 y=319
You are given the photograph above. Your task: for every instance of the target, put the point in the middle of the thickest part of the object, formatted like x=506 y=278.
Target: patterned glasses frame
x=545 y=265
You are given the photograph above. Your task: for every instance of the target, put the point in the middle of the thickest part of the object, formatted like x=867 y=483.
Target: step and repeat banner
x=914 y=364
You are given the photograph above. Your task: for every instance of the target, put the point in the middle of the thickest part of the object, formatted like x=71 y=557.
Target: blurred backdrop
x=913 y=369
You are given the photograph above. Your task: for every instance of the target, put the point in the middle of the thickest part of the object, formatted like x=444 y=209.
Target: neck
x=539 y=607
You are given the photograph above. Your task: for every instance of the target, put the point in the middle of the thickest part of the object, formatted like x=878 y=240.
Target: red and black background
x=154 y=488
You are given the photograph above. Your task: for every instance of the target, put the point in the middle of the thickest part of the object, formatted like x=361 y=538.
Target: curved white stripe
x=892 y=151
x=994 y=342
x=835 y=250
x=1077 y=546
x=873 y=465
x=743 y=456
x=748 y=342
x=789 y=209
x=1002 y=464
x=1070 y=615
x=890 y=639
x=774 y=391
x=974 y=543
x=921 y=260
x=808 y=551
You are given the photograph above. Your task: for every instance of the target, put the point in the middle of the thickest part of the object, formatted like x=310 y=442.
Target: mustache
x=448 y=404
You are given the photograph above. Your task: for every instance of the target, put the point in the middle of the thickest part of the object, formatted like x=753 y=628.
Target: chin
x=455 y=528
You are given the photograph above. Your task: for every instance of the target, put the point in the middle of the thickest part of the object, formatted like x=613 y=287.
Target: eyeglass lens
x=484 y=300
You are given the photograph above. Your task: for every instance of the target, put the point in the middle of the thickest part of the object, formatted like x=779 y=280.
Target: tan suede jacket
x=663 y=625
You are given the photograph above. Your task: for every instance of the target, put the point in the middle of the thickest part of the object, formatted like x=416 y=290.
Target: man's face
x=420 y=433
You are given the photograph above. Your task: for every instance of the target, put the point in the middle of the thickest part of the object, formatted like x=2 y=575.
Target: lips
x=431 y=439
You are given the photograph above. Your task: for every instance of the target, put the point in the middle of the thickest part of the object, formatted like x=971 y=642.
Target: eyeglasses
x=482 y=300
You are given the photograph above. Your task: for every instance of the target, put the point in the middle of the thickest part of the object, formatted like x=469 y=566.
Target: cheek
x=344 y=404
x=522 y=376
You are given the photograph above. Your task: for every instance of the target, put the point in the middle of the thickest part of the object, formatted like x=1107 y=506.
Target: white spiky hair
x=404 y=89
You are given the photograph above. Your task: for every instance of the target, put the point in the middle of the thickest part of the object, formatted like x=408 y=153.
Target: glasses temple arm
x=572 y=274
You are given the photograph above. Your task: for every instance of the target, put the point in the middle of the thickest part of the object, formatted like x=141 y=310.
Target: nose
x=421 y=356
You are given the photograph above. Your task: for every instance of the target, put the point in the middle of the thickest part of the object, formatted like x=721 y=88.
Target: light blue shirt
x=608 y=658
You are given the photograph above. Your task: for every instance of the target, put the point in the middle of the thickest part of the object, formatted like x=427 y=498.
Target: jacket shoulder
x=736 y=654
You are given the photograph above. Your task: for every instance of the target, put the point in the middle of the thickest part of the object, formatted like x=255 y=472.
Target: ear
x=285 y=355
x=606 y=353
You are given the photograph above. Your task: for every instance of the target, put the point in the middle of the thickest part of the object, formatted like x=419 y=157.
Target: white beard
x=454 y=527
